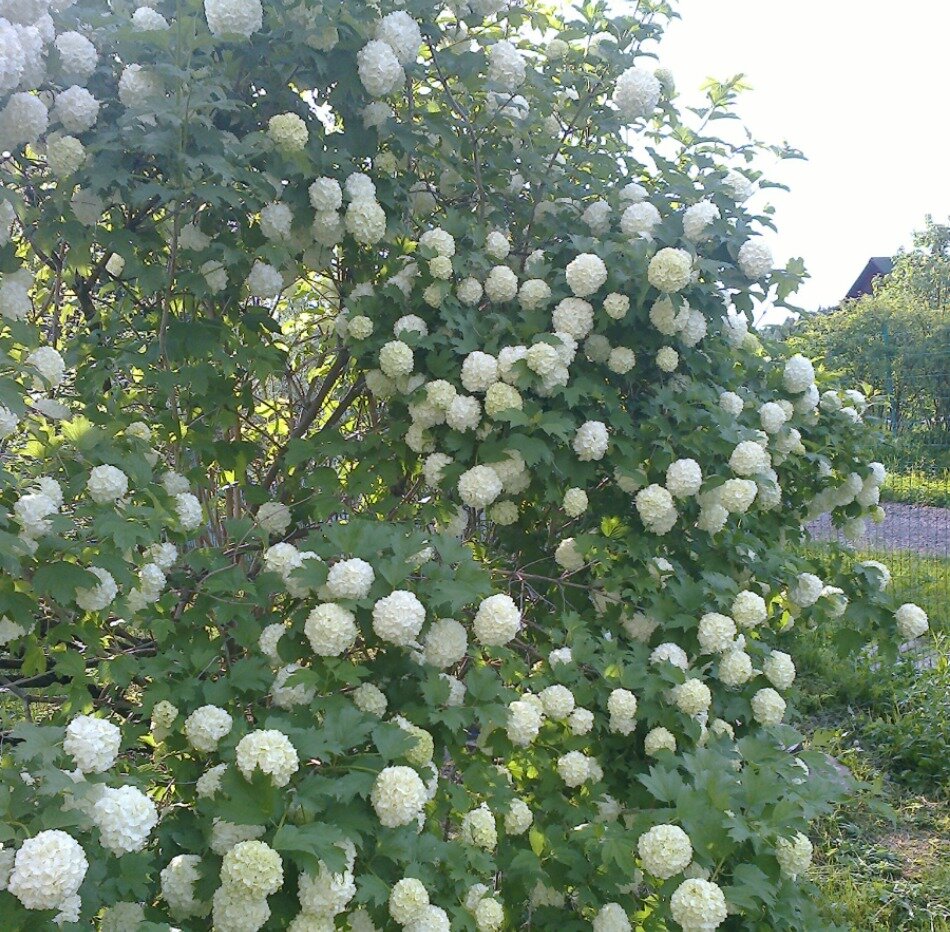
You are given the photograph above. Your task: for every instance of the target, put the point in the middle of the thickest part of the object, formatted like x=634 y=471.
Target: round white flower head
x=125 y=817
x=670 y=270
x=665 y=851
x=659 y=739
x=611 y=918
x=692 y=697
x=398 y=618
x=622 y=704
x=106 y=484
x=478 y=828
x=288 y=132
x=269 y=751
x=670 y=653
x=506 y=66
x=772 y=417
x=581 y=721
x=636 y=94
x=234 y=17
x=206 y=726
x=497 y=620
x=656 y=509
x=667 y=359
x=264 y=281
x=586 y=274
x=807 y=590
x=616 y=306
x=590 y=441
x=768 y=707
x=49 y=364
x=575 y=502
x=145 y=19
x=396 y=359
x=369 y=699
x=274 y=517
x=398 y=796
x=558 y=701
x=469 y=291
x=912 y=621
x=93 y=743
x=518 y=818
x=683 y=478
x=479 y=486
x=716 y=632
x=407 y=899
x=697 y=219
x=698 y=905
x=178 y=879
x=365 y=221
x=77 y=55
x=48 y=868
x=350 y=579
x=794 y=855
x=489 y=915
x=479 y=372
x=798 y=375
x=233 y=911
x=254 y=868
x=573 y=316
x=779 y=668
x=100 y=596
x=210 y=781
x=755 y=259
x=379 y=68
x=731 y=403
x=445 y=643
x=188 y=510
x=574 y=768
x=501 y=284
x=401 y=33
x=735 y=667
x=122 y=917
x=639 y=220
x=524 y=722
x=749 y=609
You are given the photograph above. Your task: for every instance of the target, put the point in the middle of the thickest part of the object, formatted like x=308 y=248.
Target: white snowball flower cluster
x=206 y=726
x=479 y=486
x=48 y=869
x=772 y=417
x=398 y=618
x=575 y=502
x=557 y=701
x=288 y=132
x=401 y=33
x=692 y=697
x=798 y=375
x=396 y=359
x=77 y=55
x=697 y=219
x=717 y=632
x=684 y=478
x=49 y=364
x=670 y=270
x=912 y=621
x=234 y=17
x=659 y=739
x=188 y=511
x=735 y=667
x=518 y=818
x=264 y=281
x=479 y=372
x=365 y=221
x=591 y=441
x=807 y=590
x=749 y=459
x=779 y=669
x=656 y=509
x=445 y=643
x=107 y=484
x=755 y=259
x=501 y=285
x=506 y=65
x=622 y=706
x=665 y=851
x=636 y=94
x=178 y=879
x=350 y=579
x=274 y=517
x=100 y=596
x=768 y=707
x=574 y=768
x=524 y=722
x=698 y=905
x=573 y=316
x=398 y=796
x=497 y=620
x=125 y=817
x=670 y=653
x=611 y=918
x=749 y=609
x=253 y=868
x=794 y=855
x=93 y=743
x=639 y=220
x=379 y=69
x=269 y=751
x=407 y=900
x=586 y=274
x=478 y=828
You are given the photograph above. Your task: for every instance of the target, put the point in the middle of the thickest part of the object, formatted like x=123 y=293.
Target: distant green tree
x=897 y=339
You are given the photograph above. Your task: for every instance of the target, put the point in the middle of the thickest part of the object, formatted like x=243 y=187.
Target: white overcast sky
x=861 y=87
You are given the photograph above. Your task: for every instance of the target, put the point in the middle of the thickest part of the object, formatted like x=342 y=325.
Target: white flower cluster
x=269 y=751
x=125 y=817
x=398 y=796
x=93 y=743
x=665 y=851
x=48 y=870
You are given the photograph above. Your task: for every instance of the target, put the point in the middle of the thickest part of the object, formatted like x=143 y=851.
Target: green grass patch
x=916 y=487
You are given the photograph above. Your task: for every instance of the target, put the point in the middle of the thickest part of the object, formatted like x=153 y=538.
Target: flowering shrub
x=398 y=515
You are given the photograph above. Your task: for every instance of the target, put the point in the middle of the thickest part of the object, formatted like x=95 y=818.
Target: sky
x=860 y=87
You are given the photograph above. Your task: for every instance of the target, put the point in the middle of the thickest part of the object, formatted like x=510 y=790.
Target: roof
x=877 y=266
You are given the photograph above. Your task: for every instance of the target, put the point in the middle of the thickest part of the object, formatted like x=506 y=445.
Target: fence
x=914 y=538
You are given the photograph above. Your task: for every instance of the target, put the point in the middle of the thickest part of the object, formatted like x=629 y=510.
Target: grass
x=883 y=859
x=915 y=487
